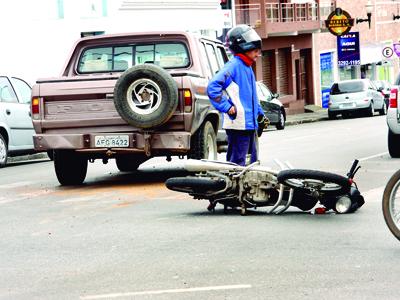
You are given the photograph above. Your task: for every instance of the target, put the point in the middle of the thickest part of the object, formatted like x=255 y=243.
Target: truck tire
x=145 y=96
x=70 y=168
x=128 y=163
x=394 y=144
x=204 y=143
x=3 y=151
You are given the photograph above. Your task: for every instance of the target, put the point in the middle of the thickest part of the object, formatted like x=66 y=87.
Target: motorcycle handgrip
x=353 y=167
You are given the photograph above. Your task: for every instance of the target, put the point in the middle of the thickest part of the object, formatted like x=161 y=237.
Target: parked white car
x=16 y=128
x=353 y=96
x=393 y=120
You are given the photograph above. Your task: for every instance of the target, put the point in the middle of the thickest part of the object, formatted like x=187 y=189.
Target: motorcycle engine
x=256 y=186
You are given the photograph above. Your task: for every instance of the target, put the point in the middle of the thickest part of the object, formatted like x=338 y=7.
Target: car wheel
x=146 y=96
x=345 y=115
x=331 y=115
x=281 y=121
x=383 y=110
x=70 y=168
x=370 y=110
x=3 y=151
x=128 y=163
x=204 y=143
x=394 y=144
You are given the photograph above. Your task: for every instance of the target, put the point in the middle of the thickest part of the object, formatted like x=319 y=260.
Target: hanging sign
x=349 y=49
x=339 y=22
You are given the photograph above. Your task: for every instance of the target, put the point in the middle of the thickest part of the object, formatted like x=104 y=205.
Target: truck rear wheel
x=146 y=96
x=204 y=143
x=70 y=168
x=127 y=163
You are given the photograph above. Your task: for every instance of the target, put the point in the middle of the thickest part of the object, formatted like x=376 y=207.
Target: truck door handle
x=29 y=113
x=8 y=112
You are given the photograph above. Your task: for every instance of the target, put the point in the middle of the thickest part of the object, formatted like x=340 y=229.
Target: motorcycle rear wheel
x=391 y=204
x=195 y=185
x=309 y=180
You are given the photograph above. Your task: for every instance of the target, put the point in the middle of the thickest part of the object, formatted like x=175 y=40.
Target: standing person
x=233 y=92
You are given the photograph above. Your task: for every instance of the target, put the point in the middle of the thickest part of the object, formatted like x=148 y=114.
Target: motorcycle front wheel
x=196 y=185
x=311 y=180
x=391 y=204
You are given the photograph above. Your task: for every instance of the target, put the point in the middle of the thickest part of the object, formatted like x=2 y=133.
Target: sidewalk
x=308 y=117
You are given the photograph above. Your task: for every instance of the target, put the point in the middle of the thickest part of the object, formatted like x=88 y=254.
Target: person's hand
x=232 y=111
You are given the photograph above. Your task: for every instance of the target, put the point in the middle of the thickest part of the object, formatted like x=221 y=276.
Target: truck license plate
x=107 y=141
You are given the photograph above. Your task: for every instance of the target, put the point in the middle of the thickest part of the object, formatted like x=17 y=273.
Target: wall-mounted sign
x=339 y=22
x=396 y=48
x=387 y=52
x=349 y=49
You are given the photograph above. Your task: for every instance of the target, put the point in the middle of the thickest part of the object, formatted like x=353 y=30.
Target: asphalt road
x=125 y=236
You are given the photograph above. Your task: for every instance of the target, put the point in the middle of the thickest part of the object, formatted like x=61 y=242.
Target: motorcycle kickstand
x=211 y=206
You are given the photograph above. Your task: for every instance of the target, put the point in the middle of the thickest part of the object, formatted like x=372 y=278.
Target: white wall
x=38 y=42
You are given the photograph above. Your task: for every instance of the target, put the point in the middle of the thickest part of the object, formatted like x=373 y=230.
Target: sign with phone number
x=349 y=49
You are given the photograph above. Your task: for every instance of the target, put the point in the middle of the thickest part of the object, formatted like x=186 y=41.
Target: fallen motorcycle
x=254 y=186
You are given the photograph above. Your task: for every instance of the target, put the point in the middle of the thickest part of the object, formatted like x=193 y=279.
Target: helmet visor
x=251 y=36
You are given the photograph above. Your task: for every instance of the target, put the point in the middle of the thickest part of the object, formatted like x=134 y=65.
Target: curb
x=29 y=157
x=303 y=121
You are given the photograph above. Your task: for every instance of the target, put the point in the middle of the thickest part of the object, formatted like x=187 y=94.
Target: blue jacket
x=235 y=85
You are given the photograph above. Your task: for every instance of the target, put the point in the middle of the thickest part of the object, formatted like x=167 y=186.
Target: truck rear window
x=120 y=58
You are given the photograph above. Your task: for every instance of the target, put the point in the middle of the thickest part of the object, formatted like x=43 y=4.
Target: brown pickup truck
x=129 y=97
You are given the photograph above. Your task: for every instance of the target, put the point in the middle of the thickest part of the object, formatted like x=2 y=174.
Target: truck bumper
x=178 y=142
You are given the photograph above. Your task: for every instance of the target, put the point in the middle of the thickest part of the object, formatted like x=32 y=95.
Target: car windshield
x=347 y=87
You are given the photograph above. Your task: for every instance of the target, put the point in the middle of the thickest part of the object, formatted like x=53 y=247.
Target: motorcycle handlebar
x=353 y=168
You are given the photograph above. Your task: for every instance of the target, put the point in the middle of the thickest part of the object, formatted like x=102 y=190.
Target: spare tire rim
x=144 y=96
x=3 y=151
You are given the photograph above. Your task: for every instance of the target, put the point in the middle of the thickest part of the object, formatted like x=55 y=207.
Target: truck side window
x=221 y=56
x=206 y=61
x=212 y=57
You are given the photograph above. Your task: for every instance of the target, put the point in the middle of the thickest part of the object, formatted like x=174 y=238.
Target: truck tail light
x=393 y=98
x=35 y=108
x=187 y=99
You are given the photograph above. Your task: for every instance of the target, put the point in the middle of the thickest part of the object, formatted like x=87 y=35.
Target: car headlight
x=343 y=205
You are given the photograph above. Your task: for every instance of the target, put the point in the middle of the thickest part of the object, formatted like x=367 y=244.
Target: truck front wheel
x=204 y=143
x=70 y=168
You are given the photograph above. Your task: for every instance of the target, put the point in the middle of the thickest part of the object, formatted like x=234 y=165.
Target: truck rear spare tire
x=145 y=96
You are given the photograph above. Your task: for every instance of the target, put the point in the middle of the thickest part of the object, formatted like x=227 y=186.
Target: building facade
x=299 y=55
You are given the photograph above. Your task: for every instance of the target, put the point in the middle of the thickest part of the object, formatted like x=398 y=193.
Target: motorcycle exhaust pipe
x=194 y=165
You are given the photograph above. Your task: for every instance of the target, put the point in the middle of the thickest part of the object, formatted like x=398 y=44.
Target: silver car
x=351 y=96
x=16 y=128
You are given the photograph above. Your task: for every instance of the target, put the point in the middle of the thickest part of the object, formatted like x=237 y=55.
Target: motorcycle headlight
x=343 y=205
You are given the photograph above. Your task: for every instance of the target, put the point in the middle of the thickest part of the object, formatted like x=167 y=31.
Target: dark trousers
x=241 y=143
